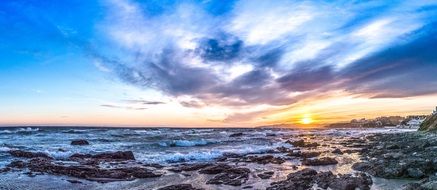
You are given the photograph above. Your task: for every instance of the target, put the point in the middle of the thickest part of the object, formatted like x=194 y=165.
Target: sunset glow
x=306 y=120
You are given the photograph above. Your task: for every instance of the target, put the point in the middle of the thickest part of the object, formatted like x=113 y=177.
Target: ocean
x=170 y=147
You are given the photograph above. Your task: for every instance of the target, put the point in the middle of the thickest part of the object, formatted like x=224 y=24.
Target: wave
x=5 y=149
x=73 y=131
x=6 y=131
x=185 y=143
x=19 y=130
x=205 y=154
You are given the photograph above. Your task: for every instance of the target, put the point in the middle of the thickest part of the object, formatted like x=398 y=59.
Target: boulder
x=266 y=175
x=320 y=161
x=215 y=169
x=233 y=177
x=27 y=154
x=307 y=178
x=119 y=155
x=236 y=135
x=80 y=142
x=337 y=151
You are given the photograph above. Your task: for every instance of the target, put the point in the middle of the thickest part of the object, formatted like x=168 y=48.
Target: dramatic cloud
x=248 y=53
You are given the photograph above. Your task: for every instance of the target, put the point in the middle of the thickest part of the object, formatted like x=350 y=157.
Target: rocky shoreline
x=404 y=155
x=411 y=155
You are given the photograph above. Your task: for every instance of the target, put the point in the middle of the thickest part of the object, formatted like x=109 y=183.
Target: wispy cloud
x=122 y=107
x=274 y=53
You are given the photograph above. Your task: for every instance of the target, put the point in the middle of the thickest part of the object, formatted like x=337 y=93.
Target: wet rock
x=179 y=187
x=45 y=165
x=190 y=167
x=119 y=155
x=158 y=166
x=337 y=151
x=320 y=161
x=304 y=154
x=306 y=178
x=362 y=166
x=17 y=164
x=215 y=169
x=425 y=184
x=350 y=151
x=415 y=173
x=284 y=149
x=302 y=143
x=27 y=154
x=233 y=176
x=236 y=135
x=264 y=159
x=298 y=143
x=80 y=142
x=349 y=182
x=73 y=181
x=266 y=175
x=300 y=180
x=7 y=169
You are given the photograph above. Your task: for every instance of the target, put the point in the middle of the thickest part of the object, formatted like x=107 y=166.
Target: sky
x=233 y=63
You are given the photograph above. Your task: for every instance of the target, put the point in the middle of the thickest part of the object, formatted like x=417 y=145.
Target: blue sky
x=196 y=63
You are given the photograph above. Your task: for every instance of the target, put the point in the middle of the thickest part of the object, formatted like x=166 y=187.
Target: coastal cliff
x=430 y=123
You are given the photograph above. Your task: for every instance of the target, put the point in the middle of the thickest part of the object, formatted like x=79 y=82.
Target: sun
x=306 y=120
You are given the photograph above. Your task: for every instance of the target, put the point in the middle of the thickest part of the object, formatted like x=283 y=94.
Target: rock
x=266 y=175
x=429 y=124
x=307 y=178
x=393 y=146
x=233 y=176
x=337 y=151
x=158 y=166
x=236 y=135
x=179 y=187
x=415 y=173
x=79 y=142
x=425 y=184
x=26 y=154
x=7 y=169
x=283 y=149
x=348 y=182
x=264 y=159
x=301 y=180
x=298 y=143
x=190 y=167
x=216 y=169
x=362 y=166
x=319 y=162
x=302 y=143
x=304 y=154
x=73 y=181
x=17 y=164
x=119 y=155
x=45 y=165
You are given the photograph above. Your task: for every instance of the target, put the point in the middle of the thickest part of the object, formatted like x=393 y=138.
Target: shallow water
x=168 y=146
